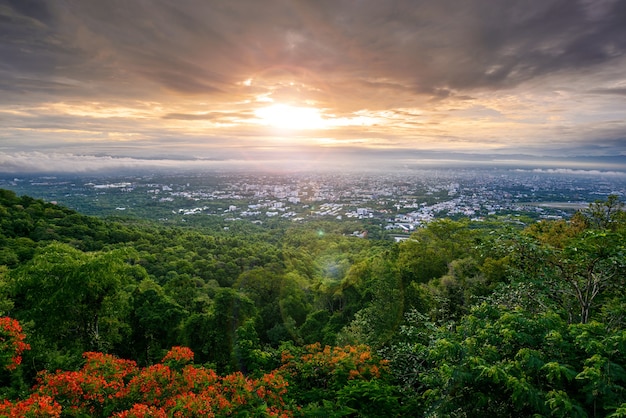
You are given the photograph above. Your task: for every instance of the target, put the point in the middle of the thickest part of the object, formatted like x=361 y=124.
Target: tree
x=213 y=335
x=106 y=386
x=155 y=320
x=339 y=381
x=606 y=214
x=593 y=266
x=382 y=303
x=498 y=361
x=75 y=301
x=12 y=343
x=456 y=292
x=426 y=254
x=569 y=267
x=6 y=304
x=263 y=287
x=12 y=346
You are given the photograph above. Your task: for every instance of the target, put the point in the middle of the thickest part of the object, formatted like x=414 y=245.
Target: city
x=398 y=202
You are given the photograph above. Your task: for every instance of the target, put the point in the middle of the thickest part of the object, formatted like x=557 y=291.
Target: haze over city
x=95 y=85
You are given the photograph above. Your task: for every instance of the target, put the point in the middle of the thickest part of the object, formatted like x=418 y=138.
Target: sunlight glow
x=291 y=117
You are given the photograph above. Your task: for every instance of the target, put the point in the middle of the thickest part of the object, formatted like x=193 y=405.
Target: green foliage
x=569 y=268
x=619 y=412
x=213 y=335
x=340 y=381
x=476 y=319
x=6 y=303
x=247 y=351
x=73 y=300
x=608 y=214
x=426 y=255
x=382 y=301
x=155 y=321
x=373 y=398
x=315 y=327
x=500 y=362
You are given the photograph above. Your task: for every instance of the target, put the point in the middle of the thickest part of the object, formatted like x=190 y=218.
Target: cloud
x=433 y=48
x=618 y=91
x=152 y=76
x=578 y=172
x=227 y=116
x=301 y=158
x=34 y=162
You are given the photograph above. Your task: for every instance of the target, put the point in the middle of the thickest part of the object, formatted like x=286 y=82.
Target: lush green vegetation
x=464 y=319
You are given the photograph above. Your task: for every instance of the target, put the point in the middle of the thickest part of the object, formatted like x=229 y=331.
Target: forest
x=105 y=317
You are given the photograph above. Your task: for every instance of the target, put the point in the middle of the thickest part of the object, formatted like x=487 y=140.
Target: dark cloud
x=552 y=69
x=25 y=37
x=36 y=9
x=205 y=46
x=617 y=91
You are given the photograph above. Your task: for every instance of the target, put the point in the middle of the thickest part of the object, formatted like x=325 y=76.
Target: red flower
x=35 y=406
x=179 y=355
x=12 y=343
x=142 y=411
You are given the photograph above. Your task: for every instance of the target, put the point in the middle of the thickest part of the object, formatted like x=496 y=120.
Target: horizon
x=293 y=86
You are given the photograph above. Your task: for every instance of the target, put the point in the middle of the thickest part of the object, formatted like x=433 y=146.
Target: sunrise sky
x=89 y=84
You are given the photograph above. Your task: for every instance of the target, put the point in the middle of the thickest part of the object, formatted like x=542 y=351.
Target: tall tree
x=73 y=299
x=606 y=214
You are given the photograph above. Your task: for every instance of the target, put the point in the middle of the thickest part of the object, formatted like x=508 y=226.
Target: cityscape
x=397 y=202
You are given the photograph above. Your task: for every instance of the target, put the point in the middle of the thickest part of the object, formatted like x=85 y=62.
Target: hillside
x=462 y=319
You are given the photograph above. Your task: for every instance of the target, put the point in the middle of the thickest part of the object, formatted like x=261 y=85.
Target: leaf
x=558 y=373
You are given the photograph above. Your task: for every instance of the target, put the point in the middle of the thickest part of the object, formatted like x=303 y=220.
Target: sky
x=296 y=84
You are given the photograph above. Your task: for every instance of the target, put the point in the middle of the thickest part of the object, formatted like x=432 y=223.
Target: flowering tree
x=12 y=343
x=108 y=386
x=325 y=380
x=35 y=406
x=338 y=381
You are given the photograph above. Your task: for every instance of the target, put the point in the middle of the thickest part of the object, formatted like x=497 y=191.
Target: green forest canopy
x=464 y=318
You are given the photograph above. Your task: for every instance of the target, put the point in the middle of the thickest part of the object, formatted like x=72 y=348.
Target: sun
x=291 y=117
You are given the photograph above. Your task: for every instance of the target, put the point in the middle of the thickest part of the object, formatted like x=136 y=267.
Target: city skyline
x=89 y=85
